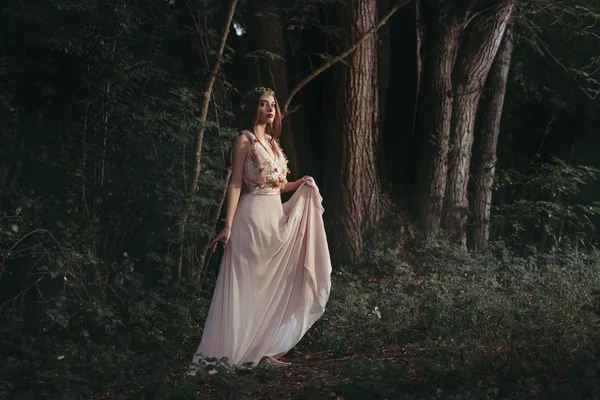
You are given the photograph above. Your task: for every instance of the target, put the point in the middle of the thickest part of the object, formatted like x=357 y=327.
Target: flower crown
x=255 y=94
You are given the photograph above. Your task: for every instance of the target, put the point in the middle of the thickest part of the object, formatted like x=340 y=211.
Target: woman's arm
x=240 y=150
x=291 y=186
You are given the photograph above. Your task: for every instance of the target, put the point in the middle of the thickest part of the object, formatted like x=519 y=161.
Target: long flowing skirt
x=274 y=280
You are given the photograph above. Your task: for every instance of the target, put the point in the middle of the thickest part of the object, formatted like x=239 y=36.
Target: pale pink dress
x=274 y=279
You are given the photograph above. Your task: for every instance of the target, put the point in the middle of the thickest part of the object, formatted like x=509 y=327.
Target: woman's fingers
x=308 y=180
x=221 y=237
x=213 y=244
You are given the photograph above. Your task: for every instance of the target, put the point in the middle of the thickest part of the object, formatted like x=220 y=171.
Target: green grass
x=438 y=324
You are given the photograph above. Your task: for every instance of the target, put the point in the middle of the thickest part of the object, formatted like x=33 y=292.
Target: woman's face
x=266 y=109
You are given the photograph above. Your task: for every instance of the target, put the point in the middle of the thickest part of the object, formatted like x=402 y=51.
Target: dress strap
x=250 y=136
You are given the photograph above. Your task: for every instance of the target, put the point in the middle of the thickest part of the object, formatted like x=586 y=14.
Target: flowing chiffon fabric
x=274 y=279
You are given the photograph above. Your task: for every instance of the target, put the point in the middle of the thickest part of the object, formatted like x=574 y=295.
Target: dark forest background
x=455 y=144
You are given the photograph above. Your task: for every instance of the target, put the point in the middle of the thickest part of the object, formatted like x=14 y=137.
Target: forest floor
x=411 y=372
x=312 y=375
x=321 y=374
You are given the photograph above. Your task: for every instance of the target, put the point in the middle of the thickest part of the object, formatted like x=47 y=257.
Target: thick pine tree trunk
x=484 y=167
x=472 y=70
x=434 y=114
x=353 y=199
x=273 y=72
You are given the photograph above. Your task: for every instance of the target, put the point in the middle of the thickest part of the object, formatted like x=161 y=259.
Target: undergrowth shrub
x=495 y=295
x=493 y=324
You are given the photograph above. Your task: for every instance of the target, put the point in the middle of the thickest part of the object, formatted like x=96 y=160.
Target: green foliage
x=565 y=34
x=496 y=324
x=99 y=118
x=542 y=198
x=498 y=294
x=98 y=336
x=99 y=105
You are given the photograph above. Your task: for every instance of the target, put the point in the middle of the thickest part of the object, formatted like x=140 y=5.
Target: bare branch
x=343 y=55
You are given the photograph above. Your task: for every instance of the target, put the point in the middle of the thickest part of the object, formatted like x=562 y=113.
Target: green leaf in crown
x=255 y=93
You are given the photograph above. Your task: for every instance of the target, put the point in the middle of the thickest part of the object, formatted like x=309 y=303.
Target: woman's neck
x=260 y=131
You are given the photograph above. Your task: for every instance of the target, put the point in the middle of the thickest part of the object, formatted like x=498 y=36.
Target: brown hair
x=251 y=115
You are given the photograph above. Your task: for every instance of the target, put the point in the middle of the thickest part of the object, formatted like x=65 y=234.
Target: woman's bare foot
x=273 y=361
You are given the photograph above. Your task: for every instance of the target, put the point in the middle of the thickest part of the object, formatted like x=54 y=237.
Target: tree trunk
x=383 y=84
x=273 y=71
x=419 y=39
x=354 y=202
x=433 y=123
x=484 y=167
x=472 y=70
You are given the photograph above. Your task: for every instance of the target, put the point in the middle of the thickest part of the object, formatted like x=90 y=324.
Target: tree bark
x=354 y=201
x=352 y=46
x=433 y=123
x=273 y=71
x=419 y=40
x=485 y=157
x=472 y=70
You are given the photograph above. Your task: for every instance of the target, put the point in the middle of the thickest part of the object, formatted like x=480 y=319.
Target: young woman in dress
x=274 y=279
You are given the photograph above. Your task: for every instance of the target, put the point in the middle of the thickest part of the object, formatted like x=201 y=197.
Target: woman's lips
x=271 y=115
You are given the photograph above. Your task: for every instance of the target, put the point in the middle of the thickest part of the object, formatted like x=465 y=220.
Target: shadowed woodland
x=455 y=145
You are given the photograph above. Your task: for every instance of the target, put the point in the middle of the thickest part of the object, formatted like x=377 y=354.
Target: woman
x=274 y=279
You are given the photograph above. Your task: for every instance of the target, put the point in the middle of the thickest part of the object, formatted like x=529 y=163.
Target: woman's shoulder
x=244 y=139
x=245 y=133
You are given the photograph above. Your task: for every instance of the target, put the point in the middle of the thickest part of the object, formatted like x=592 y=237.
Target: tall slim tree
x=269 y=38
x=474 y=63
x=484 y=161
x=353 y=196
x=434 y=110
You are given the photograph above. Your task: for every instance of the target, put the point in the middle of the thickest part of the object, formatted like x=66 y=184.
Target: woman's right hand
x=306 y=179
x=223 y=236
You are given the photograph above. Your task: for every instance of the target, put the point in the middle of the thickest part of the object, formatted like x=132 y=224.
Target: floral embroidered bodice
x=265 y=171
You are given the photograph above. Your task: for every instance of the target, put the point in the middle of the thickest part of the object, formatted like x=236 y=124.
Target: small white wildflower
x=212 y=372
x=376 y=312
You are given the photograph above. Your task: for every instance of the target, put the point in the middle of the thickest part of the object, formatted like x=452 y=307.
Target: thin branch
x=483 y=11
x=206 y=96
x=589 y=92
x=84 y=154
x=343 y=55
x=134 y=65
x=14 y=299
x=215 y=219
